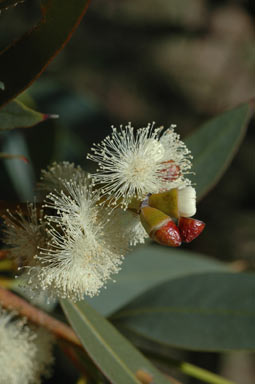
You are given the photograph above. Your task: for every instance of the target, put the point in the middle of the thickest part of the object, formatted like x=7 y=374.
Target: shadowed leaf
x=17 y=115
x=59 y=20
x=214 y=145
x=147 y=267
x=207 y=312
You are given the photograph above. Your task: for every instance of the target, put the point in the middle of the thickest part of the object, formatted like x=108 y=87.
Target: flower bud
x=160 y=227
x=166 y=202
x=152 y=218
x=190 y=228
x=175 y=202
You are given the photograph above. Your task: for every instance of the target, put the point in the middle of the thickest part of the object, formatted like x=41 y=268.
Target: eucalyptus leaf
x=214 y=145
x=41 y=44
x=17 y=115
x=116 y=357
x=21 y=173
x=147 y=267
x=208 y=312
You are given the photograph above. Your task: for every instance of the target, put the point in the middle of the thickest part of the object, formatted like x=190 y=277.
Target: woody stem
x=13 y=302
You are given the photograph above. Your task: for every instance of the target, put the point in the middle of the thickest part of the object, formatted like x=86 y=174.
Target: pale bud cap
x=187 y=201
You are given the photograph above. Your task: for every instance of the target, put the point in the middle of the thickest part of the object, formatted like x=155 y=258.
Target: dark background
x=167 y=61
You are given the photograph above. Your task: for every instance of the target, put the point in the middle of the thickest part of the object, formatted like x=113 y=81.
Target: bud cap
x=187 y=201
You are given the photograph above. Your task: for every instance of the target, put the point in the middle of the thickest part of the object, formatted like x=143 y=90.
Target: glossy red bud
x=168 y=234
x=160 y=227
x=190 y=228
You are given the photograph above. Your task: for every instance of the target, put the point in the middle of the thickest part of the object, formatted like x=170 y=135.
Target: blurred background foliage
x=168 y=61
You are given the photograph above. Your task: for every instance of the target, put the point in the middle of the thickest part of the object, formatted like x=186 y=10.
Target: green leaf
x=214 y=145
x=17 y=115
x=1 y=86
x=208 y=312
x=147 y=267
x=115 y=356
x=59 y=20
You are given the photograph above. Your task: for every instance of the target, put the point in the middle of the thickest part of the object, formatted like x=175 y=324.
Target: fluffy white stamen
x=133 y=164
x=24 y=232
x=129 y=224
x=73 y=246
x=25 y=353
x=52 y=178
x=83 y=250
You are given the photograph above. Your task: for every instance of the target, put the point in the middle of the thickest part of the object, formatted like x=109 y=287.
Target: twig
x=190 y=369
x=11 y=301
x=3 y=253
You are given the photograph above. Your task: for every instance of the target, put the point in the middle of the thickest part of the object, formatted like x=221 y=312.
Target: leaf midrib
x=188 y=310
x=106 y=346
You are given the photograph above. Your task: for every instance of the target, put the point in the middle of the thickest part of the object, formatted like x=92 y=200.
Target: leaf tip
x=47 y=116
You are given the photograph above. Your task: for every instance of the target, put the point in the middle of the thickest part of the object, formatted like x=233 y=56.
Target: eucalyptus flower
x=83 y=248
x=132 y=164
x=25 y=352
x=24 y=232
x=74 y=246
x=52 y=178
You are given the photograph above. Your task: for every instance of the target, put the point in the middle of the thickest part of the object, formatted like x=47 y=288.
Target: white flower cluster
x=78 y=240
x=83 y=249
x=133 y=164
x=25 y=353
x=24 y=233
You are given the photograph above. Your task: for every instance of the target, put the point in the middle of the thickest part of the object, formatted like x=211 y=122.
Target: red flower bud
x=168 y=234
x=190 y=228
x=160 y=227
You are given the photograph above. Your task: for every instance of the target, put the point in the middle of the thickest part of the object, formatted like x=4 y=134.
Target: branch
x=13 y=302
x=189 y=369
x=3 y=253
